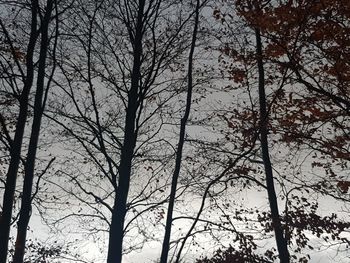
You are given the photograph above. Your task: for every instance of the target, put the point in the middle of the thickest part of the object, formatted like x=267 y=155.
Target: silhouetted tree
x=27 y=76
x=41 y=94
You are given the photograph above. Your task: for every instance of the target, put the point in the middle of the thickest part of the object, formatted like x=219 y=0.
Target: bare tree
x=123 y=91
x=39 y=105
x=27 y=76
x=184 y=119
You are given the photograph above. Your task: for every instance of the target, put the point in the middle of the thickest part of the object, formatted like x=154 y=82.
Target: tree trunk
x=281 y=241
x=11 y=176
x=169 y=219
x=115 y=247
x=26 y=199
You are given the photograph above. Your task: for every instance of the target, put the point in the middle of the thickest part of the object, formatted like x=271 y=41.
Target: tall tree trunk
x=116 y=232
x=11 y=176
x=281 y=241
x=178 y=160
x=26 y=199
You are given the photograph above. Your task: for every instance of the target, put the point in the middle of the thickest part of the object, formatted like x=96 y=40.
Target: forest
x=174 y=131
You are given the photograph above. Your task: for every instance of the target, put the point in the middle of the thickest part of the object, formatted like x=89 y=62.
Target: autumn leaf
x=343 y=186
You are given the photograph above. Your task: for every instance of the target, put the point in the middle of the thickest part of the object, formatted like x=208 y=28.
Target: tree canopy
x=174 y=131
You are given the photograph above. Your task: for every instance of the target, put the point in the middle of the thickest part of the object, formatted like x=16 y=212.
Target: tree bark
x=281 y=241
x=116 y=233
x=26 y=199
x=11 y=176
x=178 y=160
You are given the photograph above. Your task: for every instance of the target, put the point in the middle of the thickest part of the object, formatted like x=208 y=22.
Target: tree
x=270 y=185
x=16 y=145
x=280 y=73
x=265 y=145
x=39 y=105
x=184 y=119
x=117 y=111
x=294 y=46
x=239 y=75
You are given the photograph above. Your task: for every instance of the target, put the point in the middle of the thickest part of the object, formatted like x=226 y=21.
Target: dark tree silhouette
x=15 y=149
x=184 y=119
x=281 y=241
x=39 y=105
